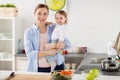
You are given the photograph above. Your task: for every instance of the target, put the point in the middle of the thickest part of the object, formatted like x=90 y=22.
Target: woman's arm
x=47 y=53
x=30 y=49
x=51 y=46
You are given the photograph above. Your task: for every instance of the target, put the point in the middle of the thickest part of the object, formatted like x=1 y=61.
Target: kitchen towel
x=116 y=45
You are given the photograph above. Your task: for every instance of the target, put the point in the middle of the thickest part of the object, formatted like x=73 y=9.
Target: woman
x=35 y=39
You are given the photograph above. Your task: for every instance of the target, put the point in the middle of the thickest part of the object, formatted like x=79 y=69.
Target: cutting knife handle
x=11 y=76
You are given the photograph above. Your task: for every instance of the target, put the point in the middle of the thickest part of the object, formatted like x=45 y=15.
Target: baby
x=58 y=35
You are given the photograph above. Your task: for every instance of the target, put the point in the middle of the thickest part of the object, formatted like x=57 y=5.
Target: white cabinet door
x=21 y=63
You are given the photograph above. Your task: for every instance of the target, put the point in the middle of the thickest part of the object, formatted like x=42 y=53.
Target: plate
x=5 y=35
x=96 y=60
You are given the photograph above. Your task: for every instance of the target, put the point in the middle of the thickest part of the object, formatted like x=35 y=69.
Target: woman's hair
x=62 y=12
x=41 y=6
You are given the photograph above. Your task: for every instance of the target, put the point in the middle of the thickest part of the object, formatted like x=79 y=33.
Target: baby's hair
x=62 y=12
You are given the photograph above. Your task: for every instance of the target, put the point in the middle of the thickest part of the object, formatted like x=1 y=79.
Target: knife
x=118 y=56
x=11 y=76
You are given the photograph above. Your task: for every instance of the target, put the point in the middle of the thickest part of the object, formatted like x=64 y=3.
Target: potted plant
x=10 y=5
x=8 y=9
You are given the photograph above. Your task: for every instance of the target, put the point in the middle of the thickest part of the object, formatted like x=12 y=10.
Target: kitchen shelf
x=10 y=32
x=5 y=39
x=6 y=59
x=8 y=18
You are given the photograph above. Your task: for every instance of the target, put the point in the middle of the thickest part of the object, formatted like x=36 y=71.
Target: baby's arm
x=60 y=45
x=61 y=40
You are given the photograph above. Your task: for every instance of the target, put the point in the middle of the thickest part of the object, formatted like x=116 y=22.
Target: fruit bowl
x=63 y=75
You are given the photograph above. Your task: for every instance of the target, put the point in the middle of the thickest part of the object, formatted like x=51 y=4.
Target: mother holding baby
x=37 y=37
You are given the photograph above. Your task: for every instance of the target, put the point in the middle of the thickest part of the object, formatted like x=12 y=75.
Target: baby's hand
x=60 y=45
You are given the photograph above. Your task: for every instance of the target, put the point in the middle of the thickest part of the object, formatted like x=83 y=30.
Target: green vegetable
x=2 y=5
x=8 y=5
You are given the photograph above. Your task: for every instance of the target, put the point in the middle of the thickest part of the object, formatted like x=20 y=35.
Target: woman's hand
x=60 y=45
x=52 y=52
x=48 y=23
x=47 y=53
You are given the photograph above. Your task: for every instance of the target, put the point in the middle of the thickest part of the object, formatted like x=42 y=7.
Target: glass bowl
x=63 y=75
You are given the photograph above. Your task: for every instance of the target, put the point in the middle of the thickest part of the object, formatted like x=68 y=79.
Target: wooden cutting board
x=31 y=77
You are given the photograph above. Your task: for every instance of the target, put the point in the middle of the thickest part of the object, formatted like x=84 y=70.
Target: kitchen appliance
x=109 y=64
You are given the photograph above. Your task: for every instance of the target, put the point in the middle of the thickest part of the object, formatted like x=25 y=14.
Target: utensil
x=109 y=65
x=11 y=76
x=118 y=56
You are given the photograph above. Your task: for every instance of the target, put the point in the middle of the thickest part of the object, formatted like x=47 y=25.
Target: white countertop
x=101 y=77
x=4 y=74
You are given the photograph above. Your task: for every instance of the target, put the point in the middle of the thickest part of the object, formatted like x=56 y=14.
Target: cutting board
x=31 y=77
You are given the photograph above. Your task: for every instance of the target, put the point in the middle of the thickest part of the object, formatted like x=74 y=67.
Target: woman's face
x=41 y=15
x=60 y=19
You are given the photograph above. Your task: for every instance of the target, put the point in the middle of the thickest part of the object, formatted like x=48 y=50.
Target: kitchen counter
x=68 y=55
x=87 y=64
x=4 y=74
x=20 y=55
x=71 y=58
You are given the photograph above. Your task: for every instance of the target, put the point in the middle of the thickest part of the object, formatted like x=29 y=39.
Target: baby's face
x=60 y=19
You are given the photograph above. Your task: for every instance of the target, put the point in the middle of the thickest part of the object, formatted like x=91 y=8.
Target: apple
x=62 y=52
x=90 y=76
x=94 y=71
x=65 y=52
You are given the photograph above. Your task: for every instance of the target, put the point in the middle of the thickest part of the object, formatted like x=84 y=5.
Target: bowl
x=63 y=75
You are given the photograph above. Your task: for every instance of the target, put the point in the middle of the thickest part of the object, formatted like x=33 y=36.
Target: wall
x=92 y=23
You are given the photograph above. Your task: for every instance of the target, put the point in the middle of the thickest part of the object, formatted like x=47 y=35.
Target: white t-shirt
x=59 y=33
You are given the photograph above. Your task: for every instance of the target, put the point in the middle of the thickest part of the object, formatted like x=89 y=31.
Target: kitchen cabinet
x=21 y=63
x=10 y=32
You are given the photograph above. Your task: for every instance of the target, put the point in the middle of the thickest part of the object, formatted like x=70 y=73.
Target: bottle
x=19 y=46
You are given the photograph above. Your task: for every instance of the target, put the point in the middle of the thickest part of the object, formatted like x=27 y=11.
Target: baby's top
x=59 y=32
